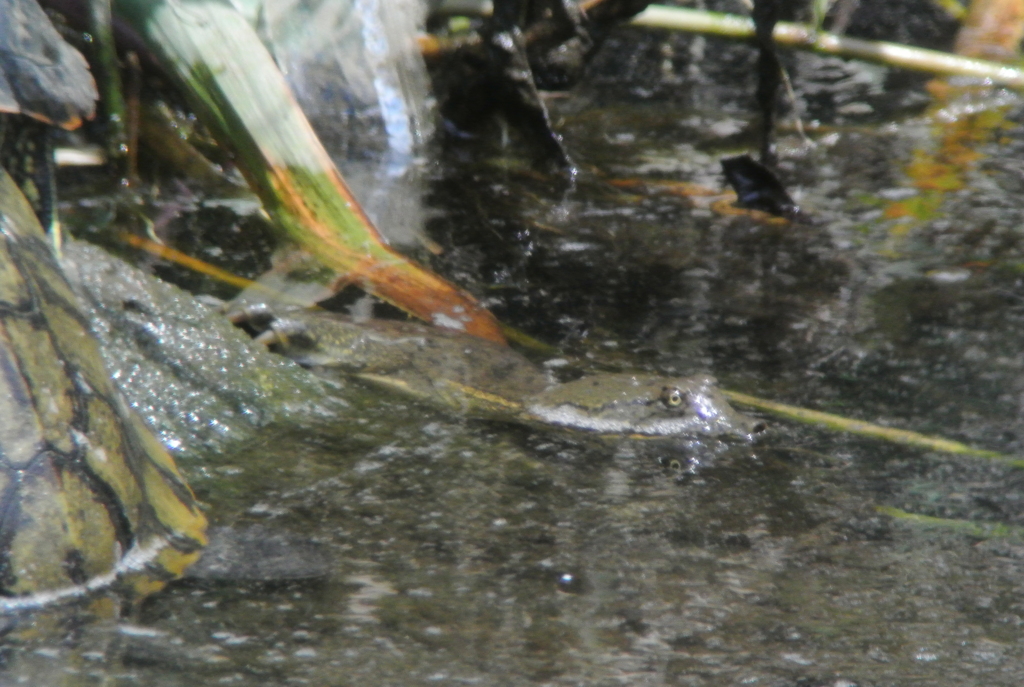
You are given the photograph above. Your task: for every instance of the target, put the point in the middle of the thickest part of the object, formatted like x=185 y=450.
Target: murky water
x=469 y=552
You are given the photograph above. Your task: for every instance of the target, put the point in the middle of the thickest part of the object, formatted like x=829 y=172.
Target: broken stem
x=805 y=37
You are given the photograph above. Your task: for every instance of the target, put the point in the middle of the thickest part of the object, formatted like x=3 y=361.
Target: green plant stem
x=982 y=530
x=805 y=37
x=844 y=424
x=108 y=76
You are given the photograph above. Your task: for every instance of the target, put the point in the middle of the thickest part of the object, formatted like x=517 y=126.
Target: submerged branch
x=981 y=530
x=844 y=424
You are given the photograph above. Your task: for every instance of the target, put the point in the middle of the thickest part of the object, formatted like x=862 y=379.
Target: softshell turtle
x=477 y=377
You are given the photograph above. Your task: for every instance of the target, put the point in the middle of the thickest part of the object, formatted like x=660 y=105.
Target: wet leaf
x=41 y=76
x=237 y=90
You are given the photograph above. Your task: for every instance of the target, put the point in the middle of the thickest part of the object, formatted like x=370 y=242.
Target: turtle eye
x=672 y=397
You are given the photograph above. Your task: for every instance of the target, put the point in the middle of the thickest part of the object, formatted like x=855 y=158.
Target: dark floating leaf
x=757 y=188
